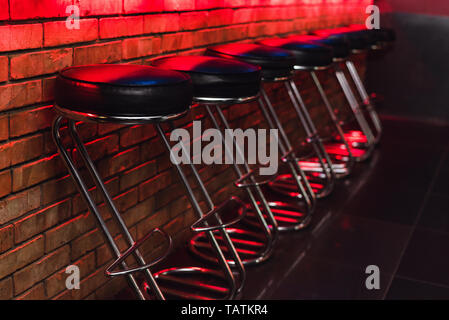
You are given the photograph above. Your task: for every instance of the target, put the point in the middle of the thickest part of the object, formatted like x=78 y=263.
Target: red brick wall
x=44 y=225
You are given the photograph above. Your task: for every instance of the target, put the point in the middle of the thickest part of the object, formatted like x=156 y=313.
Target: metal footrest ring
x=193 y=283
x=249 y=245
x=288 y=215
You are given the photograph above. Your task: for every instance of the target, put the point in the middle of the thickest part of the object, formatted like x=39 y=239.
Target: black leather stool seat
x=120 y=91
x=276 y=63
x=307 y=54
x=340 y=45
x=216 y=78
x=358 y=40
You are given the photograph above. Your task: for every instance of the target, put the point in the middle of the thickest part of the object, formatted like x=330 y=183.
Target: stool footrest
x=203 y=225
x=109 y=270
x=240 y=183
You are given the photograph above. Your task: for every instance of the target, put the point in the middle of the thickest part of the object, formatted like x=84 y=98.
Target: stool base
x=193 y=283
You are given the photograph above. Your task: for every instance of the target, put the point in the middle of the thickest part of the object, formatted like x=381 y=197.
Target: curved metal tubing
x=314 y=139
x=366 y=99
x=358 y=114
x=128 y=120
x=196 y=206
x=84 y=191
x=304 y=188
x=270 y=234
x=351 y=160
x=131 y=249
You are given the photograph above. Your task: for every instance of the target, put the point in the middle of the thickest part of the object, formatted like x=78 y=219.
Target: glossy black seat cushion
x=214 y=77
x=358 y=41
x=339 y=45
x=123 y=90
x=275 y=62
x=308 y=55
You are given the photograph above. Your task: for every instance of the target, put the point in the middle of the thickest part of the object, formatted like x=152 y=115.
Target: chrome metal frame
x=357 y=112
x=252 y=188
x=84 y=191
x=133 y=249
x=365 y=99
x=305 y=191
x=222 y=260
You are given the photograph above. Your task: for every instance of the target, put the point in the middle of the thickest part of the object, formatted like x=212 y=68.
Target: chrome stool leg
x=358 y=114
x=343 y=169
x=296 y=220
x=324 y=160
x=366 y=99
x=84 y=191
x=170 y=274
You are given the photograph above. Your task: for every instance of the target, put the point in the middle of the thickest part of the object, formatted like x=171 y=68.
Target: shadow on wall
x=413 y=79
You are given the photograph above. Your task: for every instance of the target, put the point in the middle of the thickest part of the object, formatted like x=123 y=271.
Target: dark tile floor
x=393 y=213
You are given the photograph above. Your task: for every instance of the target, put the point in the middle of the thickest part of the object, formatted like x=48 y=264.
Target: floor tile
x=404 y=289
x=436 y=214
x=359 y=242
x=426 y=257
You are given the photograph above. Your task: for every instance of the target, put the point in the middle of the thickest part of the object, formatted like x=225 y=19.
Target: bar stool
x=131 y=94
x=218 y=83
x=254 y=53
x=360 y=40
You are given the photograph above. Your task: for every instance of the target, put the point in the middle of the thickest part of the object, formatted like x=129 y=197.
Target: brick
x=48 y=88
x=5 y=183
x=18 y=204
x=179 y=5
x=15 y=152
x=56 y=283
x=137 y=47
x=136 y=134
x=4 y=127
x=24 y=9
x=4 y=68
x=177 y=41
x=100 y=7
x=87 y=286
x=29 y=121
x=68 y=231
x=21 y=256
x=101 y=147
x=161 y=23
x=35 y=293
x=86 y=242
x=121 y=27
x=43 y=62
x=56 y=33
x=210 y=4
x=155 y=184
x=126 y=200
x=139 y=212
x=79 y=204
x=57 y=189
x=193 y=20
x=6 y=289
x=22 y=36
x=220 y=17
x=98 y=53
x=41 y=220
x=138 y=174
x=35 y=172
x=119 y=162
x=4 y=13
x=244 y=15
x=41 y=269
x=138 y=6
x=6 y=238
x=20 y=94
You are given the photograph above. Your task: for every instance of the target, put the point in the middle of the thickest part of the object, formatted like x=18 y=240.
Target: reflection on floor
x=393 y=212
